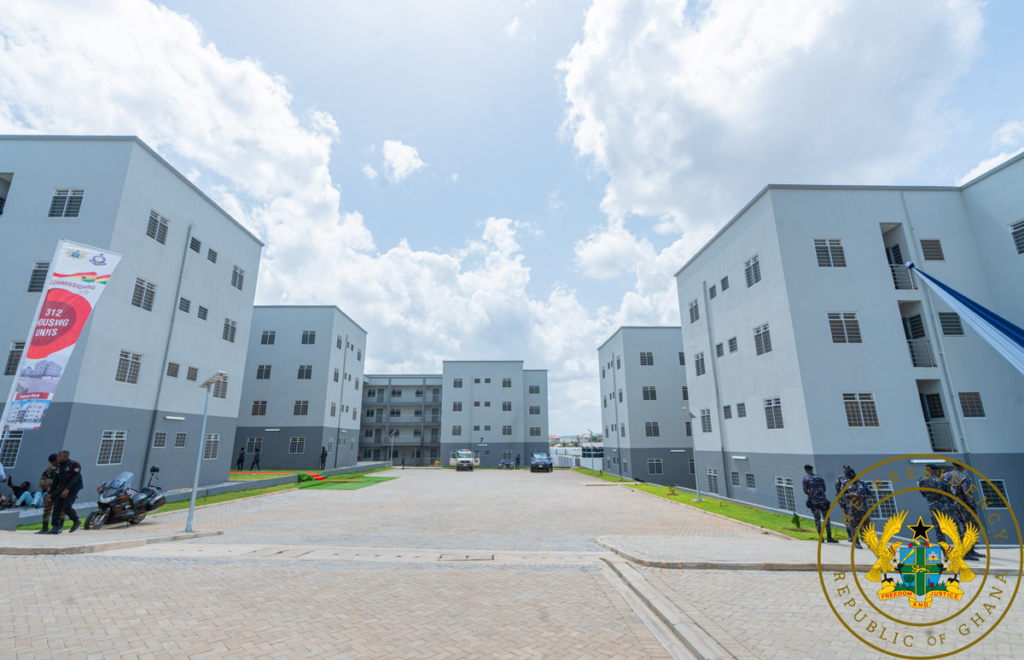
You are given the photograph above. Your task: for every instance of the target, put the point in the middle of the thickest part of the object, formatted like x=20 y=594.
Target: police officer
x=856 y=503
x=814 y=489
x=844 y=499
x=962 y=487
x=45 y=481
x=323 y=458
x=937 y=502
x=240 y=461
x=64 y=490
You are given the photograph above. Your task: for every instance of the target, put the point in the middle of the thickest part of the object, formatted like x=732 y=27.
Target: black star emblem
x=920 y=529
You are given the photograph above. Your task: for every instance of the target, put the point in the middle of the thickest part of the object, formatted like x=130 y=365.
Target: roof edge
x=334 y=307
x=639 y=327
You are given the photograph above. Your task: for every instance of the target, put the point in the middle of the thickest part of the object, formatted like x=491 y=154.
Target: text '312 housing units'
x=808 y=341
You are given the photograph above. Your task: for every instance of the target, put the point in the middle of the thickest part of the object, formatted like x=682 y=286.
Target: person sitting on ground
x=23 y=495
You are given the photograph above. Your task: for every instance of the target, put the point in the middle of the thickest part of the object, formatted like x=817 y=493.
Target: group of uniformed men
x=854 y=495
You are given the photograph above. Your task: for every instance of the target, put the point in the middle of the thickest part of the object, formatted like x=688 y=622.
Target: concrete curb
x=696 y=639
x=104 y=546
x=729 y=565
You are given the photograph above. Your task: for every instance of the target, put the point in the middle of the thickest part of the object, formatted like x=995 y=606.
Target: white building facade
x=175 y=312
x=302 y=386
x=808 y=341
x=647 y=433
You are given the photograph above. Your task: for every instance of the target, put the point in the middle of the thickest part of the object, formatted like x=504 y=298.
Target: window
x=202 y=313
x=456 y=430
x=878 y=490
x=308 y=337
x=784 y=493
x=419 y=393
x=268 y=337
x=487 y=404
x=220 y=389
x=336 y=374
x=622 y=430
x=211 y=255
x=359 y=355
x=535 y=431
x=970 y=404
x=620 y=395
x=647 y=359
x=719 y=350
x=11 y=446
x=111 y=448
x=534 y=410
x=830 y=252
x=487 y=428
x=860 y=410
x=337 y=342
x=686 y=393
x=712 y=292
x=932 y=250
x=456 y=382
x=951 y=324
x=263 y=372
x=128 y=368
x=143 y=295
x=184 y=304
x=750 y=481
x=506 y=382
x=67 y=204
x=211 y=447
x=534 y=389
x=253 y=445
x=37 y=280
x=305 y=371
x=991 y=496
x=259 y=408
x=692 y=468
x=727 y=412
x=733 y=345
x=762 y=339
x=476 y=381
x=395 y=412
x=705 y=420
x=698 y=364
x=297 y=446
x=456 y=406
x=735 y=478
x=237 y=277
x=752 y=270
x=725 y=283
x=1017 y=231
x=487 y=380
x=773 y=413
x=172 y=369
x=356 y=387
x=741 y=410
x=180 y=440
x=396 y=393
x=193 y=374
x=650 y=394
x=156 y=228
x=506 y=406
x=13 y=360
x=845 y=327
x=712 y=481
x=654 y=466
x=301 y=408
x=694 y=311
x=651 y=429
x=159 y=440
x=229 y=330
x=682 y=359
x=618 y=362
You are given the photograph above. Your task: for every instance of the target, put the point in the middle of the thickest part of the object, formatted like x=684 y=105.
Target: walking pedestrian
x=844 y=499
x=45 y=481
x=403 y=461
x=856 y=498
x=255 y=460
x=938 y=498
x=64 y=490
x=962 y=488
x=814 y=489
x=323 y=457
x=517 y=461
x=240 y=463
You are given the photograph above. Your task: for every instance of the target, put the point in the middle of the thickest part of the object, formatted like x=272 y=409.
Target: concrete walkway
x=87 y=541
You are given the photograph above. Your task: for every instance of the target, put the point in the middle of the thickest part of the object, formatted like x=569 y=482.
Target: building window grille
x=10 y=445
x=970 y=404
x=991 y=496
x=830 y=252
x=144 y=294
x=66 y=204
x=172 y=369
x=878 y=490
x=741 y=410
x=712 y=481
x=773 y=413
x=712 y=292
x=534 y=389
x=651 y=429
x=202 y=313
x=184 y=304
x=692 y=466
x=762 y=339
x=506 y=382
x=735 y=478
x=263 y=372
x=259 y=408
x=784 y=493
x=193 y=374
x=128 y=365
x=686 y=393
x=456 y=430
x=951 y=324
x=719 y=349
x=13 y=360
x=253 y=445
x=195 y=245
x=1017 y=232
x=694 y=311
x=931 y=249
x=211 y=448
x=456 y=382
x=698 y=363
x=725 y=283
x=111 y=447
x=506 y=406
x=297 y=446
x=37 y=280
x=845 y=327
x=733 y=345
x=689 y=430
x=705 y=420
x=646 y=359
x=654 y=466
x=750 y=481
x=752 y=271
x=682 y=359
x=180 y=440
x=229 y=330
x=211 y=256
x=727 y=412
x=305 y=371
x=220 y=389
x=860 y=409
x=237 y=277
x=650 y=393
x=534 y=410
x=301 y=408
x=159 y=440
x=456 y=406
x=268 y=337
x=534 y=431
x=308 y=337
x=157 y=227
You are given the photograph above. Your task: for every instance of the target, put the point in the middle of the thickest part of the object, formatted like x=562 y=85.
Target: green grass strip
x=606 y=476
x=345 y=485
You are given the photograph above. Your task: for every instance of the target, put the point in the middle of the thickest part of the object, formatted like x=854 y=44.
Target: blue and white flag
x=1005 y=337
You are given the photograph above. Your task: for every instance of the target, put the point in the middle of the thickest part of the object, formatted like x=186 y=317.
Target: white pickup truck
x=463 y=459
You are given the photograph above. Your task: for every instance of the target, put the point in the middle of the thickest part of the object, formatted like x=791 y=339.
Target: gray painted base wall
x=523 y=449
x=276 y=444
x=675 y=466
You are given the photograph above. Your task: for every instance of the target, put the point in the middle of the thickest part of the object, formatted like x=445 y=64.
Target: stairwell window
x=263 y=371
x=297 y=446
x=202 y=313
x=719 y=350
x=773 y=413
x=268 y=337
x=305 y=372
x=195 y=245
x=860 y=409
x=37 y=280
x=694 y=311
x=762 y=339
x=785 y=494
x=13 y=360
x=237 y=277
x=157 y=227
x=184 y=304
x=259 y=408
x=698 y=363
x=506 y=430
x=220 y=389
x=66 y=204
x=308 y=337
x=682 y=359
x=752 y=271
x=650 y=393
x=705 y=420
x=128 y=365
x=951 y=324
x=1017 y=232
x=172 y=369
x=712 y=292
x=712 y=481
x=651 y=429
x=932 y=250
x=686 y=393
x=725 y=283
x=143 y=295
x=829 y=252
x=845 y=327
x=654 y=466
x=211 y=256
x=877 y=490
x=733 y=345
x=741 y=410
x=301 y=408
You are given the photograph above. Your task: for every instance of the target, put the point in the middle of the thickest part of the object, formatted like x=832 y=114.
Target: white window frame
x=211 y=447
x=112 y=443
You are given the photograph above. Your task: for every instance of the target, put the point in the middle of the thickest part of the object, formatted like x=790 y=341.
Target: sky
x=514 y=180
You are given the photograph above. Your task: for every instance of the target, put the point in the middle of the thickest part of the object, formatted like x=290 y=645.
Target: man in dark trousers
x=240 y=463
x=255 y=460
x=814 y=489
x=45 y=481
x=517 y=461
x=64 y=491
x=323 y=458
x=962 y=487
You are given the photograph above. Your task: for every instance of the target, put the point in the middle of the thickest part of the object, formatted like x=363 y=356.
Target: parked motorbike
x=119 y=502
x=505 y=464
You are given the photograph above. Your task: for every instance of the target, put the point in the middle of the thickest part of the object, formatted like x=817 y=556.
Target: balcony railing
x=901 y=277
x=921 y=353
x=940 y=436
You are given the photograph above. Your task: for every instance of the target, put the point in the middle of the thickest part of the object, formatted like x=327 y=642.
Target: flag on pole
x=1004 y=336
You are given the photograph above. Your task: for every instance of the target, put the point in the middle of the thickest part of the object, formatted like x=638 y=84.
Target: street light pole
x=208 y=386
x=696 y=472
x=391 y=457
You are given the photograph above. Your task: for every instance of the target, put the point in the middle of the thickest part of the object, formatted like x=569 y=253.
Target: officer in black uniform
x=962 y=487
x=938 y=502
x=814 y=489
x=64 y=491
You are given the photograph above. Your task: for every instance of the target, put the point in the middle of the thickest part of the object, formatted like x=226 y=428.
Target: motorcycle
x=505 y=464
x=119 y=502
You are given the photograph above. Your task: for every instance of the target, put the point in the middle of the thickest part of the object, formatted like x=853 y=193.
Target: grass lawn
x=607 y=476
x=245 y=475
x=354 y=483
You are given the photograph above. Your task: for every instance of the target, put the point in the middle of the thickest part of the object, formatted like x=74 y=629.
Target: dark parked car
x=541 y=463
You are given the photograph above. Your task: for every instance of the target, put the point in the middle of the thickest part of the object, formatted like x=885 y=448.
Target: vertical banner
x=77 y=277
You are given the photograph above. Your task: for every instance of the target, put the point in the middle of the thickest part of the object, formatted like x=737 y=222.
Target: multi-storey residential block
x=301 y=391
x=809 y=342
x=648 y=435
x=167 y=321
x=401 y=418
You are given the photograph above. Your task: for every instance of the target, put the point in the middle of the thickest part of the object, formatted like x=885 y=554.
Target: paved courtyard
x=434 y=564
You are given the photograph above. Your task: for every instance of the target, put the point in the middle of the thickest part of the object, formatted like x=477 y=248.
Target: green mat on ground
x=345 y=485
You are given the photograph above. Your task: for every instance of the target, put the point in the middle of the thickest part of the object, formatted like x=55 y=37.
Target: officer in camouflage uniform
x=844 y=499
x=814 y=489
x=962 y=487
x=937 y=502
x=49 y=474
x=856 y=503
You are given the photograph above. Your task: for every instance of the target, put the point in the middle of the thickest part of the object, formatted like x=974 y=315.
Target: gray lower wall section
x=491 y=453
x=79 y=427
x=275 y=453
x=675 y=466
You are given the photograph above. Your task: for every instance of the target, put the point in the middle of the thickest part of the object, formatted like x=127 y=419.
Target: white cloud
x=454 y=178
x=370 y=173
x=513 y=28
x=1008 y=135
x=400 y=160
x=611 y=252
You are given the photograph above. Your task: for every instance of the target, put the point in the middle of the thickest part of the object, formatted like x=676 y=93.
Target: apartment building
x=167 y=321
x=301 y=389
x=496 y=408
x=647 y=433
x=808 y=341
